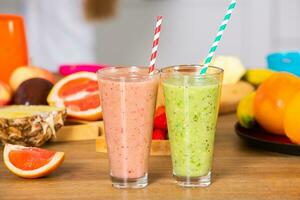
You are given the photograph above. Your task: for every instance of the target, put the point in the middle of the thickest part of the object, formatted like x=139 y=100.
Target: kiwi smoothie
x=192 y=111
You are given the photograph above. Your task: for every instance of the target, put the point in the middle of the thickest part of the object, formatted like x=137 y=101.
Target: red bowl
x=68 y=69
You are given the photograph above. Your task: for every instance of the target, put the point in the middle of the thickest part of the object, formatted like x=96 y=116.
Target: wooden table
x=240 y=172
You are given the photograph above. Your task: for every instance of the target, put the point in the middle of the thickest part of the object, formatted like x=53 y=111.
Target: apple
x=24 y=73
x=5 y=94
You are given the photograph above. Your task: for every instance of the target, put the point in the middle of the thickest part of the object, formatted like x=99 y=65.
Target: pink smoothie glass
x=128 y=97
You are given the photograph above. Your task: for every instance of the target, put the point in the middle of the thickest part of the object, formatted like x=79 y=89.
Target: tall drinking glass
x=192 y=102
x=13 y=45
x=128 y=96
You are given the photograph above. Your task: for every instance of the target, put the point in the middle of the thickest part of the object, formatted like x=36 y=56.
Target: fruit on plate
x=31 y=162
x=271 y=99
x=245 y=112
x=24 y=73
x=33 y=92
x=233 y=68
x=257 y=76
x=292 y=120
x=5 y=94
x=30 y=125
x=79 y=93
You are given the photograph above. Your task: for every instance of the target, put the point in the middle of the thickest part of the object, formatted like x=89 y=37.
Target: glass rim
x=101 y=73
x=218 y=71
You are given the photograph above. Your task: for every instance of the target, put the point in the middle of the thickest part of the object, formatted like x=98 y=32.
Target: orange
x=79 y=93
x=271 y=100
x=31 y=162
x=292 y=120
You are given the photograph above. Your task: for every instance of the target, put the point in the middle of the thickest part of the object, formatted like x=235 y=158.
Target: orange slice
x=79 y=93
x=31 y=162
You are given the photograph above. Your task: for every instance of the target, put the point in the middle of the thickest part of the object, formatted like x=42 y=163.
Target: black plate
x=265 y=140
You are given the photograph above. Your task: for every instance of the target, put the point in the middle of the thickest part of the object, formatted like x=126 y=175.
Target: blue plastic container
x=285 y=61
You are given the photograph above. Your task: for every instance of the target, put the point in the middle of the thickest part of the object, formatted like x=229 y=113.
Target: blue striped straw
x=218 y=37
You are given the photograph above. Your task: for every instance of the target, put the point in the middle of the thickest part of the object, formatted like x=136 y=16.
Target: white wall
x=257 y=28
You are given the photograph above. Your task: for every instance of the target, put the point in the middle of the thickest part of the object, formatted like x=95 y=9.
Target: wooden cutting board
x=232 y=94
x=75 y=130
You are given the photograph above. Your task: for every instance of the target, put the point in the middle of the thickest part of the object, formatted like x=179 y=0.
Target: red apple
x=24 y=73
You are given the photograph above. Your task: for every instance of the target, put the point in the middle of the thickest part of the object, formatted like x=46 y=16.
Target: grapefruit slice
x=31 y=162
x=79 y=93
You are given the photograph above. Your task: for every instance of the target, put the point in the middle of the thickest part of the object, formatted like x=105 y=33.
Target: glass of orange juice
x=13 y=51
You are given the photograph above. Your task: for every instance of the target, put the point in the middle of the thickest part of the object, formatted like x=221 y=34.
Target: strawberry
x=160 y=110
x=160 y=119
x=159 y=134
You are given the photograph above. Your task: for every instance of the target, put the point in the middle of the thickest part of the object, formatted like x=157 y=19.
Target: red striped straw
x=155 y=44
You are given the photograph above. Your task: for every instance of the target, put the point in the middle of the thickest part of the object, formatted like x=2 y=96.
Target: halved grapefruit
x=79 y=93
x=31 y=162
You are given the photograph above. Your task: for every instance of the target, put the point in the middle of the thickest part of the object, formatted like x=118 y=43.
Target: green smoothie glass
x=192 y=103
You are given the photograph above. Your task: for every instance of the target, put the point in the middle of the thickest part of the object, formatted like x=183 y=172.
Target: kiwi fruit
x=33 y=92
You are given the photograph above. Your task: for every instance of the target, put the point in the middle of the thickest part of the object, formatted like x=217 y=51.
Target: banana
x=245 y=113
x=257 y=76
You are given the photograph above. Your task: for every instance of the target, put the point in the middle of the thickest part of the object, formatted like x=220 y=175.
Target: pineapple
x=30 y=125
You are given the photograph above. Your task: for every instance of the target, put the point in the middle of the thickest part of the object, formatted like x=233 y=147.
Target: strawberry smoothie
x=128 y=97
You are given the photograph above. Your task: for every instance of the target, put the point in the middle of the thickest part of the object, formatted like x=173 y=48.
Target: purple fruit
x=33 y=92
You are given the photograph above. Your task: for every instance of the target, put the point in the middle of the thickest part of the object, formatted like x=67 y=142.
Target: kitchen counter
x=240 y=172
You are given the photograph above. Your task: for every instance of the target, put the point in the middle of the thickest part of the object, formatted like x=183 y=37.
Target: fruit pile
x=275 y=106
x=160 y=131
x=20 y=89
x=78 y=92
x=39 y=105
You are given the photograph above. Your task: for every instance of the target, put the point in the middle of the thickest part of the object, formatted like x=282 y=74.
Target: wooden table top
x=240 y=172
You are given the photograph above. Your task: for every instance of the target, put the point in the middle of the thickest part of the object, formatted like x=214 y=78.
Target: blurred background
x=65 y=31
